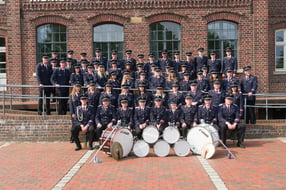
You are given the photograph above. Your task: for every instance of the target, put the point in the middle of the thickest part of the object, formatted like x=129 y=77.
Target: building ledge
x=279 y=73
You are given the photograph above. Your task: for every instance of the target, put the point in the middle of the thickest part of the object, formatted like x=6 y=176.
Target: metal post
x=10 y=98
x=3 y=101
x=43 y=101
x=266 y=107
x=245 y=107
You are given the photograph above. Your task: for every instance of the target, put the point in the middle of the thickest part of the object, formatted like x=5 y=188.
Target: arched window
x=280 y=50
x=51 y=37
x=222 y=34
x=108 y=37
x=165 y=35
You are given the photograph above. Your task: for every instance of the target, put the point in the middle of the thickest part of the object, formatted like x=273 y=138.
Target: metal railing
x=267 y=105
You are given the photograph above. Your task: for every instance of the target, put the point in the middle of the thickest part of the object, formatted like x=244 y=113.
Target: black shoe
x=90 y=148
x=240 y=145
x=77 y=148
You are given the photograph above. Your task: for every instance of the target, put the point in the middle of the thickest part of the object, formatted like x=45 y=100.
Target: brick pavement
x=260 y=166
x=41 y=165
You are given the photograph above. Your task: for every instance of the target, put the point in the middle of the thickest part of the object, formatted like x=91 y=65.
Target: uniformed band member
x=213 y=63
x=83 y=121
x=74 y=99
x=176 y=96
x=158 y=115
x=229 y=62
x=249 y=84
x=44 y=73
x=174 y=115
x=217 y=94
x=76 y=76
x=61 y=77
x=201 y=60
x=70 y=54
x=125 y=115
x=141 y=117
x=207 y=113
x=164 y=60
x=188 y=115
x=105 y=116
x=228 y=116
x=99 y=57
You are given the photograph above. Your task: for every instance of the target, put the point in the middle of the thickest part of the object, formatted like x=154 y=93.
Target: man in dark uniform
x=217 y=94
x=142 y=79
x=83 y=56
x=188 y=115
x=125 y=115
x=228 y=80
x=44 y=73
x=174 y=114
x=89 y=76
x=60 y=78
x=203 y=84
x=100 y=58
x=213 y=63
x=175 y=96
x=195 y=93
x=147 y=66
x=191 y=65
x=83 y=63
x=229 y=62
x=201 y=60
x=228 y=116
x=185 y=83
x=158 y=115
x=207 y=113
x=114 y=56
x=249 y=85
x=141 y=117
x=130 y=59
x=126 y=95
x=83 y=121
x=105 y=116
x=177 y=62
x=70 y=65
x=55 y=57
x=162 y=62
x=70 y=56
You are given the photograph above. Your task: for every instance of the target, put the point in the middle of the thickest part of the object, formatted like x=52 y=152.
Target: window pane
x=280 y=36
x=2 y=42
x=2 y=57
x=108 y=33
x=2 y=68
x=51 y=37
x=279 y=63
x=279 y=51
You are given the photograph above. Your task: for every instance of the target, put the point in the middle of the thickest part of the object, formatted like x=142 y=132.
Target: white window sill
x=279 y=72
x=2 y=2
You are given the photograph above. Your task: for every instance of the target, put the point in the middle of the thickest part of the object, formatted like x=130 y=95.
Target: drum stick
x=95 y=158
x=227 y=149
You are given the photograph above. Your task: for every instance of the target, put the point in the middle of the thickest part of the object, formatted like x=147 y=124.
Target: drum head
x=213 y=132
x=161 y=148
x=182 y=148
x=208 y=150
x=116 y=151
x=197 y=137
x=150 y=134
x=141 y=149
x=171 y=135
x=125 y=138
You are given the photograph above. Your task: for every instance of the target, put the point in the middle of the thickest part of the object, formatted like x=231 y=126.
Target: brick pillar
x=14 y=47
x=261 y=45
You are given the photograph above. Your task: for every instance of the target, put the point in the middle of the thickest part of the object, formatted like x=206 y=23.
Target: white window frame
x=281 y=44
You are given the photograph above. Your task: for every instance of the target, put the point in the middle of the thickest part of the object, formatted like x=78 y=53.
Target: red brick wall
x=253 y=18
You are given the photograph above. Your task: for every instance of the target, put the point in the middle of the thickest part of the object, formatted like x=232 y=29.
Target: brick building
x=255 y=29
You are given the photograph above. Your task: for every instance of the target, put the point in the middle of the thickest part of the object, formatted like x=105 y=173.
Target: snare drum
x=120 y=135
x=150 y=134
x=141 y=148
x=161 y=148
x=171 y=134
x=199 y=136
x=182 y=148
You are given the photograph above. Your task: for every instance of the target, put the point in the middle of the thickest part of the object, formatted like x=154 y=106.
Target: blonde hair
x=73 y=92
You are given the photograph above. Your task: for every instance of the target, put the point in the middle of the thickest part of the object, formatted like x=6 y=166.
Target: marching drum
x=141 y=148
x=182 y=148
x=171 y=134
x=199 y=136
x=161 y=148
x=150 y=134
x=120 y=135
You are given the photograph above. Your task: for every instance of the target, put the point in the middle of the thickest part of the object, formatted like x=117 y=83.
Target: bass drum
x=150 y=134
x=171 y=134
x=120 y=135
x=182 y=148
x=199 y=136
x=161 y=148
x=141 y=148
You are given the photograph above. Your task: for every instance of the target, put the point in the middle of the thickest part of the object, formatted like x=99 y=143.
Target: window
x=165 y=35
x=280 y=50
x=108 y=37
x=2 y=55
x=222 y=34
x=51 y=37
